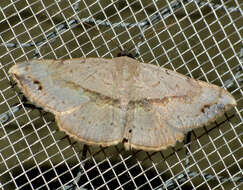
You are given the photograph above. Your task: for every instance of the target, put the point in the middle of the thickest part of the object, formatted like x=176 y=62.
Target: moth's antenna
x=113 y=41
x=161 y=28
x=124 y=52
x=106 y=36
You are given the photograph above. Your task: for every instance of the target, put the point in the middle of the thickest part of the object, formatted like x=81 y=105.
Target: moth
x=108 y=101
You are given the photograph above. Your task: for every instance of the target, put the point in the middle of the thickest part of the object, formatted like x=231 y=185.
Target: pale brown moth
x=108 y=101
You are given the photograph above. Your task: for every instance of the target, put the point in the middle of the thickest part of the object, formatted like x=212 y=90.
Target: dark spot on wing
x=167 y=72
x=206 y=106
x=38 y=83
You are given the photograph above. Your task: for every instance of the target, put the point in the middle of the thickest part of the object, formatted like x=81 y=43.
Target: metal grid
x=201 y=39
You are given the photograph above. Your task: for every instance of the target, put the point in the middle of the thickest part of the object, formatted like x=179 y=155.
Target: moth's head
x=125 y=53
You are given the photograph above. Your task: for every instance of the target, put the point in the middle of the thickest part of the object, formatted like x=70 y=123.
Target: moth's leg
x=187 y=141
x=32 y=106
x=12 y=84
x=84 y=151
x=69 y=140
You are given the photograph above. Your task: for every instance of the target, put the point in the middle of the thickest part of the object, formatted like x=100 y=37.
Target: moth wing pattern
x=94 y=124
x=172 y=104
x=108 y=101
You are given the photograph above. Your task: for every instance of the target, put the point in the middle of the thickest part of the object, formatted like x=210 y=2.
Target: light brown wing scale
x=108 y=101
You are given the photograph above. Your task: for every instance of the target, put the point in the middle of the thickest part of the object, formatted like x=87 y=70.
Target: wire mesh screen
x=200 y=39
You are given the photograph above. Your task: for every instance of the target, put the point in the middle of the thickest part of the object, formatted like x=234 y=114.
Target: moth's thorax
x=125 y=80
